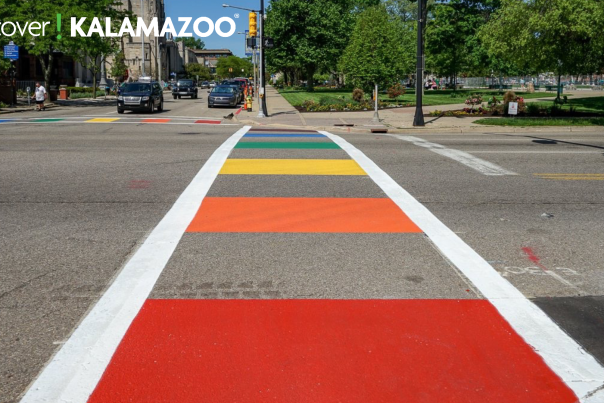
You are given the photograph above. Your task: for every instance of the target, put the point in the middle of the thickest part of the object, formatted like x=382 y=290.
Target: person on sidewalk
x=40 y=95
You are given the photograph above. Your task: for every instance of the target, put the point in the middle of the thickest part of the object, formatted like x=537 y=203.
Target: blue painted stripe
x=5 y=120
x=282 y=135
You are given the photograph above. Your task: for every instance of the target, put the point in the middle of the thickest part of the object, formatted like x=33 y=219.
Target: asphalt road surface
x=307 y=274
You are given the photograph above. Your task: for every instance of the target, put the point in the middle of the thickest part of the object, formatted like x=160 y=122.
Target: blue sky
x=214 y=10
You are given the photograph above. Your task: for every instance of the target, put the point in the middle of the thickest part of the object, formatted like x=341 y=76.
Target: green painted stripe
x=47 y=120
x=287 y=144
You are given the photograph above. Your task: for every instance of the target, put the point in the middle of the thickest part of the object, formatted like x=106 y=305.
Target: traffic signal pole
x=263 y=111
x=419 y=76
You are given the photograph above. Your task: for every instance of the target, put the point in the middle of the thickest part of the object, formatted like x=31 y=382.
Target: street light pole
x=419 y=75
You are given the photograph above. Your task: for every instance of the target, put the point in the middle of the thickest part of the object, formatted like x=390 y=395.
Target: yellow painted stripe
x=562 y=175
x=290 y=167
x=102 y=120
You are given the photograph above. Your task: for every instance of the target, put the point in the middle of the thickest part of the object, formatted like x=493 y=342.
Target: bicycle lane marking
x=575 y=366
x=73 y=373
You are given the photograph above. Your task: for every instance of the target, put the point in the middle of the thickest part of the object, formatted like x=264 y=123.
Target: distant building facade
x=210 y=57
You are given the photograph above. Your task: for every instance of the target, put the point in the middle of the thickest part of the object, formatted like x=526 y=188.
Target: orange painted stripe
x=155 y=120
x=275 y=214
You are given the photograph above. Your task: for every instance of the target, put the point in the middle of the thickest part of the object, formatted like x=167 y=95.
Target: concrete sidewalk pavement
x=283 y=114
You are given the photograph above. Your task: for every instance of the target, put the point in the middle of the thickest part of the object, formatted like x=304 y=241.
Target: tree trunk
x=310 y=74
x=559 y=96
x=46 y=69
x=93 y=83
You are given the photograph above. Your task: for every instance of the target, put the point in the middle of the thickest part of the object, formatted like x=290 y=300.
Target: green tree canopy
x=192 y=42
x=561 y=36
x=310 y=35
x=379 y=50
x=194 y=70
x=232 y=66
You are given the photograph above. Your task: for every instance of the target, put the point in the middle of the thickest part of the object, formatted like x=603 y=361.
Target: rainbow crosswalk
x=317 y=350
x=106 y=120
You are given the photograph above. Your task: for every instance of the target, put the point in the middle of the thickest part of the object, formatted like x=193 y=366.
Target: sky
x=213 y=9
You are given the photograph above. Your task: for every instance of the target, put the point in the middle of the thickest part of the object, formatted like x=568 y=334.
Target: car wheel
x=152 y=107
x=179 y=97
x=175 y=97
x=120 y=111
x=160 y=108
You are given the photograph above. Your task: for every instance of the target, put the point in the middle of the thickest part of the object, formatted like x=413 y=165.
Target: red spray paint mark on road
x=533 y=258
x=239 y=111
x=135 y=184
x=209 y=122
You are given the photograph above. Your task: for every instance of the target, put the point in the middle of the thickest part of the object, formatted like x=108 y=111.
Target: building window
x=68 y=69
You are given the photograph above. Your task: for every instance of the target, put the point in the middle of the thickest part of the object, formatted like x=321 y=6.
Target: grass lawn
x=524 y=122
x=431 y=98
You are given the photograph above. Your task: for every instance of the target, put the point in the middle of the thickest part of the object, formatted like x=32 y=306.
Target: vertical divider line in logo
x=59 y=26
x=575 y=366
x=73 y=373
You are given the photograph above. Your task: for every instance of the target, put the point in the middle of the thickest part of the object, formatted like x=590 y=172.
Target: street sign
x=11 y=51
x=248 y=50
x=269 y=43
x=513 y=109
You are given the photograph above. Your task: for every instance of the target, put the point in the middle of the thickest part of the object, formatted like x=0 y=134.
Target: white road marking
x=121 y=123
x=480 y=165
x=575 y=366
x=73 y=373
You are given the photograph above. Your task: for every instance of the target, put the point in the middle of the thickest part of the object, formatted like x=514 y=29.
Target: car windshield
x=137 y=87
x=185 y=82
x=223 y=90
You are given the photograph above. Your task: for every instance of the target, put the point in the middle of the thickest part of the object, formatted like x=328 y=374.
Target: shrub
x=358 y=95
x=533 y=110
x=474 y=100
x=396 y=91
x=509 y=96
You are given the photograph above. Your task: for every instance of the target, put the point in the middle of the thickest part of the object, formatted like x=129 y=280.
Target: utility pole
x=263 y=112
x=143 y=40
x=419 y=75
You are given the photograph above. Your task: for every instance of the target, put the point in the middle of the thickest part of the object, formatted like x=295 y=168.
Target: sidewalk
x=282 y=114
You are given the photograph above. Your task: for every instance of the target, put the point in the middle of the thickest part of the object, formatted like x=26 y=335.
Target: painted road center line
x=75 y=370
x=577 y=368
x=571 y=177
x=300 y=215
x=290 y=167
x=478 y=164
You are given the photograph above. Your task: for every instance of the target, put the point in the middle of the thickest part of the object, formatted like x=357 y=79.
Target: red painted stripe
x=239 y=111
x=325 y=351
x=277 y=214
x=209 y=122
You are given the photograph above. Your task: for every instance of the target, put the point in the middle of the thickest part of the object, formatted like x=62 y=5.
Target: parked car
x=212 y=84
x=240 y=86
x=141 y=96
x=185 y=88
x=205 y=84
x=223 y=95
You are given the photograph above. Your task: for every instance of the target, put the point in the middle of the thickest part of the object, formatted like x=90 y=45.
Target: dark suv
x=140 y=96
x=185 y=88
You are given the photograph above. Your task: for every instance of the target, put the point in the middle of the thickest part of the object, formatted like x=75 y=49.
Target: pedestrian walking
x=40 y=96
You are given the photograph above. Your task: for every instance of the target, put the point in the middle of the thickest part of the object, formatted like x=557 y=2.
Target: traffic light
x=253 y=25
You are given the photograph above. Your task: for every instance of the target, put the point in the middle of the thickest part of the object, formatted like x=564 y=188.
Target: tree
x=376 y=51
x=90 y=51
x=194 y=70
x=43 y=47
x=192 y=42
x=232 y=66
x=118 y=68
x=562 y=36
x=310 y=35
